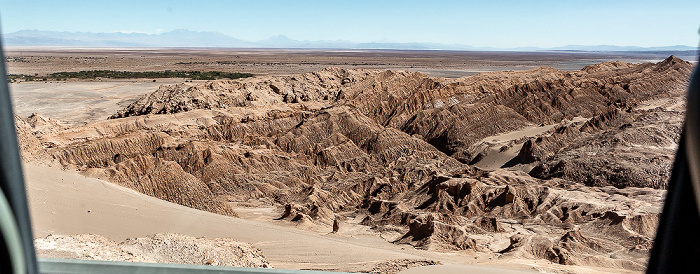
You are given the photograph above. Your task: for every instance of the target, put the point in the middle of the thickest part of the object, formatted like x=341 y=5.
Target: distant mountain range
x=188 y=38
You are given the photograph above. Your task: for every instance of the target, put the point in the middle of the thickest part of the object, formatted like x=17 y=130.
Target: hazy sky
x=478 y=23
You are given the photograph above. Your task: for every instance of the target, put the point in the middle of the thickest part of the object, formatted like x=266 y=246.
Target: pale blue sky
x=478 y=23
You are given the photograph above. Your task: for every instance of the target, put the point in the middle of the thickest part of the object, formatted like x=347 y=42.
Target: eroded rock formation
x=580 y=156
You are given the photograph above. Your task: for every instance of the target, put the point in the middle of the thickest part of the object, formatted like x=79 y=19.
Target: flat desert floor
x=452 y=64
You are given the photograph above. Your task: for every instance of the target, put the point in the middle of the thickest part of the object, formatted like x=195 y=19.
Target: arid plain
x=546 y=161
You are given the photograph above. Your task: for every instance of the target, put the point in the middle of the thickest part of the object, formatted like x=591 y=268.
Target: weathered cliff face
x=397 y=150
x=619 y=148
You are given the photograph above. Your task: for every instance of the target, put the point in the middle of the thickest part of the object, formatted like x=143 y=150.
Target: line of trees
x=93 y=74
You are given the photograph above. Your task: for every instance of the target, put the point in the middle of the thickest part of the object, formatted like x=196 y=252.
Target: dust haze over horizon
x=506 y=24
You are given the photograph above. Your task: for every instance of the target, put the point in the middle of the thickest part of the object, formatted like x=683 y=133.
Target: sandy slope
x=495 y=158
x=68 y=203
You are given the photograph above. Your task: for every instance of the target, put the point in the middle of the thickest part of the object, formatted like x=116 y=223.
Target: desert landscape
x=376 y=161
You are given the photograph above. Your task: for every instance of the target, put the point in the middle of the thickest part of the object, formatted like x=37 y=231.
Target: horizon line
x=340 y=41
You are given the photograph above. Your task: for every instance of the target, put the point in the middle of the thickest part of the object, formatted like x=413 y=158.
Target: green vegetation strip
x=93 y=74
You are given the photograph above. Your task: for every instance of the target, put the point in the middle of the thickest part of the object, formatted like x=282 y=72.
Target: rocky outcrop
x=30 y=133
x=164 y=248
x=427 y=233
x=396 y=266
x=572 y=248
x=314 y=86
